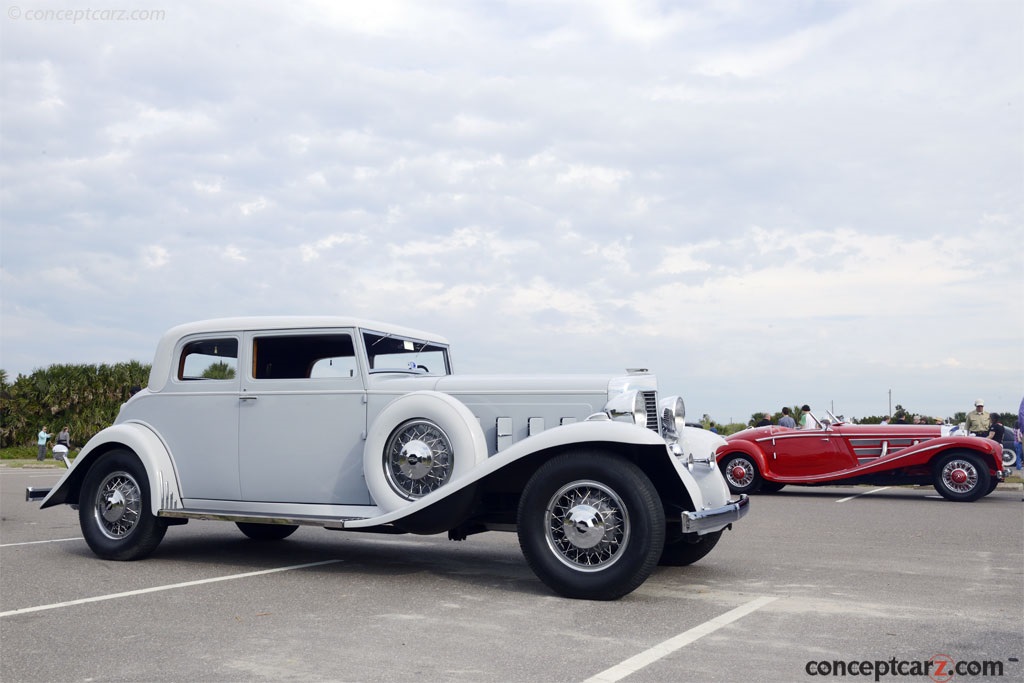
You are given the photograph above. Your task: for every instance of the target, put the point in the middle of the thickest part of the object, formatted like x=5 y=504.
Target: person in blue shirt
x=787 y=419
x=43 y=438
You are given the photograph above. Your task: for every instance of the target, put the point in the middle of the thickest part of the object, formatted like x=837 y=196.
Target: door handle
x=247 y=398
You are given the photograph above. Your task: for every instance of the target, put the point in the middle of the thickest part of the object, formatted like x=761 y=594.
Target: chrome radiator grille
x=651 y=405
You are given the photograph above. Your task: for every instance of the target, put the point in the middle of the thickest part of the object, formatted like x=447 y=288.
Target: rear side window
x=209 y=359
x=303 y=356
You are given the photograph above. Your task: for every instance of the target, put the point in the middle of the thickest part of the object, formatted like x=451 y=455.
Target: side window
x=303 y=356
x=388 y=353
x=209 y=359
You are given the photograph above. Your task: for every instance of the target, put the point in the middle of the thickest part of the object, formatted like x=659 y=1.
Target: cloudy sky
x=766 y=203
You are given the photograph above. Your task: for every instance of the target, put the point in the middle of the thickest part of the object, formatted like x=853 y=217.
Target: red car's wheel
x=741 y=473
x=962 y=477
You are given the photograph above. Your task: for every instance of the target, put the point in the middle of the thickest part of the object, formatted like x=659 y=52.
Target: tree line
x=87 y=398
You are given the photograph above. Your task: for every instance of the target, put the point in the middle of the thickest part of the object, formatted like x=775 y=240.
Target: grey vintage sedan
x=342 y=423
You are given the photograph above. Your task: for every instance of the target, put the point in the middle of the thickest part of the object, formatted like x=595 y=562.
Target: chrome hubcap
x=118 y=506
x=418 y=459
x=739 y=472
x=587 y=526
x=960 y=476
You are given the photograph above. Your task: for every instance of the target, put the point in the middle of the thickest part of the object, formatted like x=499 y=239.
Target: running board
x=259 y=518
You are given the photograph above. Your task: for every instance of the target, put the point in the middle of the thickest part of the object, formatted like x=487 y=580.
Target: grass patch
x=20 y=453
x=19 y=456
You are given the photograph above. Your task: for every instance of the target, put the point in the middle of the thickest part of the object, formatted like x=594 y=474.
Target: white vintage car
x=276 y=422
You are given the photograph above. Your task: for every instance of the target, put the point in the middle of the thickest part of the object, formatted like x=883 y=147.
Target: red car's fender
x=925 y=452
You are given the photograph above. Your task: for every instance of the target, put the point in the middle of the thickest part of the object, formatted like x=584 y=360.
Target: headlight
x=628 y=407
x=673 y=417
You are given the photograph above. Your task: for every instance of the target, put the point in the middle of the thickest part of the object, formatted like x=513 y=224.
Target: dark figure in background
x=996 y=430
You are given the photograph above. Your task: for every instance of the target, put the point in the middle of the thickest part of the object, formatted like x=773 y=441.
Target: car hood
x=501 y=384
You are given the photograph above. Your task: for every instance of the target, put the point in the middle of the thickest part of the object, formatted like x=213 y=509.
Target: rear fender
x=141 y=440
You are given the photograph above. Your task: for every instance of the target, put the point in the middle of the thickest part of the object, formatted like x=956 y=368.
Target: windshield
x=390 y=353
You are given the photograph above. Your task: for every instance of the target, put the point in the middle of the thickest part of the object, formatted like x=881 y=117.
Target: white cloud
x=155 y=256
x=312 y=252
x=255 y=206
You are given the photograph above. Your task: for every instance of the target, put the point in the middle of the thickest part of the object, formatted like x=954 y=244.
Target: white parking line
x=843 y=500
x=155 y=589
x=54 y=540
x=635 y=663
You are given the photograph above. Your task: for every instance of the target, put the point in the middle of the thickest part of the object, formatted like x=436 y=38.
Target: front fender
x=141 y=440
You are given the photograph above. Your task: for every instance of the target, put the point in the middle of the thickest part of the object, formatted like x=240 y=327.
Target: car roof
x=165 y=348
x=294 y=322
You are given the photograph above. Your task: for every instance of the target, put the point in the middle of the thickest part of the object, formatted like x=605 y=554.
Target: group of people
x=990 y=426
x=63 y=439
x=787 y=420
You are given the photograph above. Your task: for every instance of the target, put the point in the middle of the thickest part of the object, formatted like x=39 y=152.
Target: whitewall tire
x=419 y=443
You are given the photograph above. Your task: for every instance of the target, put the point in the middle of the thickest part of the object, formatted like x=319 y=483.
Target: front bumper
x=706 y=521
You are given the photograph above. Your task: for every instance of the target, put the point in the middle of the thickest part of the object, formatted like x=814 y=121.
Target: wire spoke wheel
x=587 y=525
x=418 y=459
x=591 y=525
x=116 y=513
x=960 y=476
x=118 y=505
x=739 y=472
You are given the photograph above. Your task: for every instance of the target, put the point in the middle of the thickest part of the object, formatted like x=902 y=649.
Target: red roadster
x=962 y=468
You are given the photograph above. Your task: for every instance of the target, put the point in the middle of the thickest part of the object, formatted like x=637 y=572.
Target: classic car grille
x=651 y=405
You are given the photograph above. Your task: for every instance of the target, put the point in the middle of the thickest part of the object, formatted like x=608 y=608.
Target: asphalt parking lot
x=809 y=578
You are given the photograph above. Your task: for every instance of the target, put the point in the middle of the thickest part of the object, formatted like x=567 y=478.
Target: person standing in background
x=43 y=438
x=64 y=438
x=806 y=420
x=996 y=430
x=978 y=422
x=787 y=420
x=1019 y=432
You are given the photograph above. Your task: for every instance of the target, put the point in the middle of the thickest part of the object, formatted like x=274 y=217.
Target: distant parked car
x=1009 y=448
x=272 y=423
x=962 y=468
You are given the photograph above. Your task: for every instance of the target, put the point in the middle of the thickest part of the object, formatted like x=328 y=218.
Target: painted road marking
x=156 y=589
x=55 y=540
x=843 y=500
x=637 y=662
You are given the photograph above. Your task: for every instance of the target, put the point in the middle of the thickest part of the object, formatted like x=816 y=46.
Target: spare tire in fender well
x=445 y=418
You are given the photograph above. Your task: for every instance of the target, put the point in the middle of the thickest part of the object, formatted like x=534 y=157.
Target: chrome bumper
x=705 y=521
x=33 y=493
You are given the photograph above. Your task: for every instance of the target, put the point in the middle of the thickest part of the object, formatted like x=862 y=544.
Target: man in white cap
x=978 y=422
